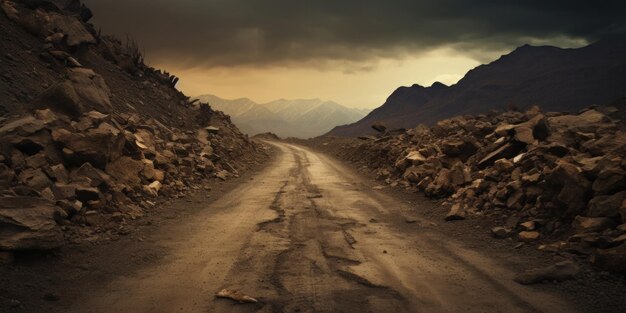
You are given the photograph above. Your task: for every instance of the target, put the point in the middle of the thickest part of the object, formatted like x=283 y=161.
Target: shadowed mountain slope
x=555 y=79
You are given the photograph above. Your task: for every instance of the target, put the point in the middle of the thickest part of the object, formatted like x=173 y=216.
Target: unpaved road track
x=307 y=236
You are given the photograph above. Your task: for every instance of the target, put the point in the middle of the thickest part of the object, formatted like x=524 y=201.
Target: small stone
x=379 y=127
x=528 y=236
x=592 y=224
x=529 y=225
x=223 y=174
x=236 y=295
x=501 y=232
x=93 y=218
x=456 y=213
x=212 y=129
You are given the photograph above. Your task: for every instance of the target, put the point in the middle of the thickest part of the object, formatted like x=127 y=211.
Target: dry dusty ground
x=304 y=234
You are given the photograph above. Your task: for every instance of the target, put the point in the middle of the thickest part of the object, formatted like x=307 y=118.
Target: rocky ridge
x=77 y=160
x=557 y=180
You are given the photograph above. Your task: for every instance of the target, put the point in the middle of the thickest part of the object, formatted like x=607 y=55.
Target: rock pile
x=77 y=154
x=542 y=176
x=100 y=167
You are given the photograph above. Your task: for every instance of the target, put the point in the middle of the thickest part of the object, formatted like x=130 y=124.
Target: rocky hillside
x=91 y=137
x=552 y=179
x=556 y=79
x=301 y=118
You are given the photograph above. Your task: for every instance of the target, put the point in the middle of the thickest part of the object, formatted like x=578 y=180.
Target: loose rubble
x=98 y=168
x=554 y=179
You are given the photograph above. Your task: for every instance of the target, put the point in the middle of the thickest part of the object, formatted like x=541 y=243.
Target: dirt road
x=306 y=235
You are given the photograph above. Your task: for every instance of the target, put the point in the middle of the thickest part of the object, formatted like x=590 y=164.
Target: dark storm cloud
x=264 y=32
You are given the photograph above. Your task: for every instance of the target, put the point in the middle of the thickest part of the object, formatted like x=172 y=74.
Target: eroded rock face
x=27 y=223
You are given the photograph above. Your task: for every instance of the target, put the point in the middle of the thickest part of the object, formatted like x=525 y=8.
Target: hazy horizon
x=273 y=100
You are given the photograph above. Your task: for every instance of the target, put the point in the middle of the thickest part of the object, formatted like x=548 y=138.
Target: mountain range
x=556 y=79
x=301 y=118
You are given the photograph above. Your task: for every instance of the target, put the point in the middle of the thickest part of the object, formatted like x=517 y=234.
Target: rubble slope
x=90 y=135
x=553 y=179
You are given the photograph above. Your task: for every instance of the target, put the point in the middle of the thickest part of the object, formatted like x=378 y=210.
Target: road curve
x=307 y=236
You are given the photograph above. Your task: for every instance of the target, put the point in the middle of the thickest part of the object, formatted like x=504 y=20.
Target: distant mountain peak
x=438 y=85
x=302 y=118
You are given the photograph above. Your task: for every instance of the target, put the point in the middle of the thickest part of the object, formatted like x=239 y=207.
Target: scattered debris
x=236 y=295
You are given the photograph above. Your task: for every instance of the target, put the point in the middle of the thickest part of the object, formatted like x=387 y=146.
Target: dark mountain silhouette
x=555 y=79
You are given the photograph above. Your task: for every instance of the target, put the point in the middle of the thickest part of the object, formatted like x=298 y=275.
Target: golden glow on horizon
x=367 y=88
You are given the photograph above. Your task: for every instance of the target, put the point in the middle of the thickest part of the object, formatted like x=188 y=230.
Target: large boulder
x=84 y=89
x=613 y=142
x=609 y=181
x=126 y=170
x=379 y=127
x=588 y=121
x=534 y=129
x=592 y=224
x=94 y=176
x=96 y=145
x=23 y=126
x=456 y=213
x=34 y=178
x=412 y=158
x=606 y=206
x=506 y=151
x=75 y=32
x=571 y=188
x=62 y=97
x=459 y=148
x=91 y=89
x=27 y=223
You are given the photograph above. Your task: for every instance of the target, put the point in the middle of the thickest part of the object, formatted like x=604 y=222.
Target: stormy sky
x=354 y=52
